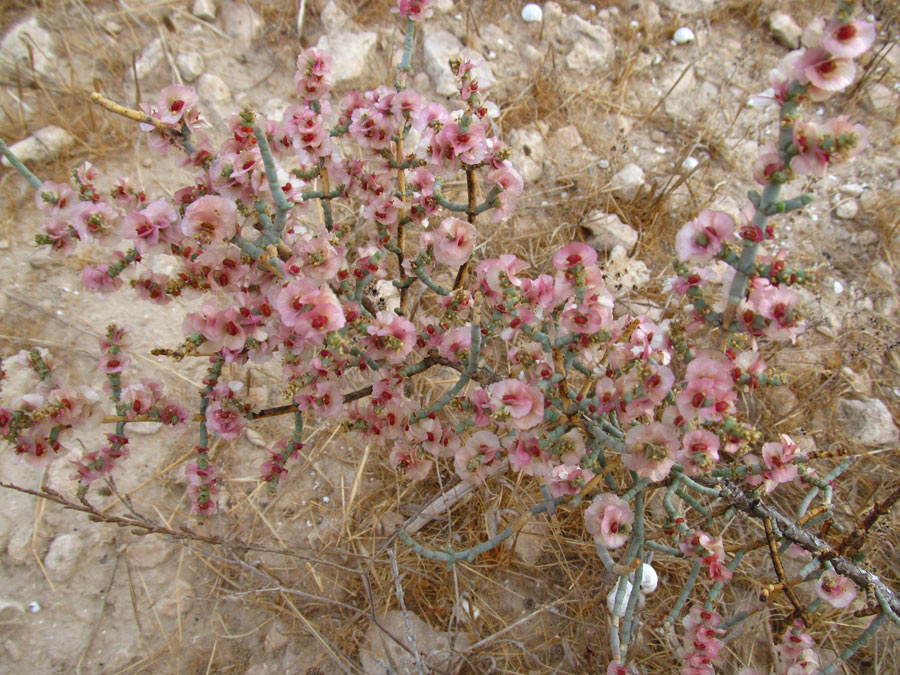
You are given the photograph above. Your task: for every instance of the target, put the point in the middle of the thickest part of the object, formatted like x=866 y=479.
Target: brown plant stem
x=799 y=609
x=863 y=578
x=480 y=375
x=130 y=113
x=856 y=539
x=472 y=203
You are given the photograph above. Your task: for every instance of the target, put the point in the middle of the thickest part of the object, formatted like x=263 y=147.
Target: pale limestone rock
x=567 y=138
x=190 y=65
x=24 y=43
x=204 y=9
x=63 y=556
x=46 y=143
x=334 y=19
x=439 y=47
x=147 y=552
x=608 y=231
x=241 y=21
x=215 y=95
x=847 y=209
x=594 y=47
x=435 y=646
x=867 y=421
x=785 y=30
x=351 y=53
x=688 y=6
x=628 y=181
x=151 y=56
x=624 y=274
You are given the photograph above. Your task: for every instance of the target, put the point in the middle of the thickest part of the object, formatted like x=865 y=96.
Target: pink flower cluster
x=702 y=645
x=797 y=653
x=38 y=424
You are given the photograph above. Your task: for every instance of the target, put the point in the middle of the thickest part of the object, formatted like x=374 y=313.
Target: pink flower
x=313 y=76
x=406 y=457
x=710 y=550
x=413 y=9
x=519 y=405
x=709 y=394
x=769 y=162
x=466 y=144
x=223 y=328
x=506 y=177
x=810 y=158
x=430 y=435
x=55 y=199
x=391 y=338
x=702 y=238
x=794 y=642
x=327 y=399
x=177 y=105
x=848 y=40
x=150 y=226
x=525 y=455
x=310 y=311
x=845 y=140
x=453 y=242
x=567 y=479
x=835 y=589
x=574 y=254
x=210 y=218
x=94 y=220
x=472 y=460
x=609 y=519
x=777 y=457
x=699 y=452
x=99 y=280
x=226 y=421
x=320 y=261
x=824 y=72
x=652 y=449
x=497 y=276
x=113 y=363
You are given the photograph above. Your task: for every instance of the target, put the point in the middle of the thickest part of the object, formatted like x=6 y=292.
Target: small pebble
x=847 y=209
x=34 y=607
x=690 y=164
x=683 y=35
x=838 y=287
x=532 y=13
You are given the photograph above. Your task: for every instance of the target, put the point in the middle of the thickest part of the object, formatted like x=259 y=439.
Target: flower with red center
x=702 y=238
x=391 y=337
x=310 y=311
x=567 y=479
x=609 y=519
x=824 y=72
x=453 y=241
x=699 y=452
x=210 y=218
x=406 y=457
x=177 y=105
x=313 y=76
x=835 y=589
x=224 y=419
x=415 y=10
x=467 y=144
x=573 y=255
x=94 y=220
x=473 y=460
x=506 y=177
x=518 y=404
x=848 y=40
x=652 y=449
